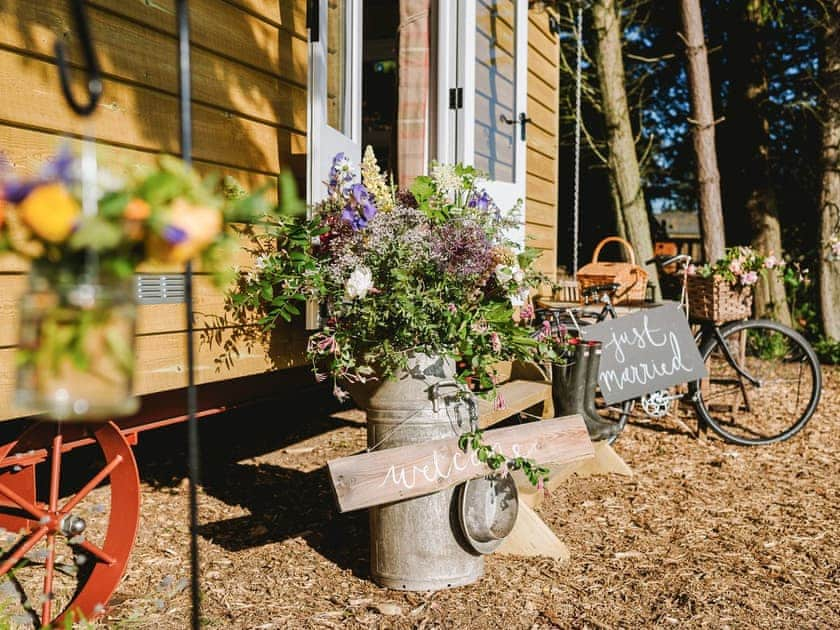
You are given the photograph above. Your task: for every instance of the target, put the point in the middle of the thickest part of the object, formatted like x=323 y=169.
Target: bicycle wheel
x=763 y=387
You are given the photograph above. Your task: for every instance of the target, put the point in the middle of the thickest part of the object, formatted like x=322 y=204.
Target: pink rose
x=749 y=278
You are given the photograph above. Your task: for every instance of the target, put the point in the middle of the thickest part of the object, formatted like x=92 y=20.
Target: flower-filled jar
x=76 y=347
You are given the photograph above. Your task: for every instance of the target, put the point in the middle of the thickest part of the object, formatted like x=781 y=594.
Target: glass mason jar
x=76 y=347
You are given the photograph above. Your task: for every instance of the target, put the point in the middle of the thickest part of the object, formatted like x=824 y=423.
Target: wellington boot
x=599 y=429
x=568 y=382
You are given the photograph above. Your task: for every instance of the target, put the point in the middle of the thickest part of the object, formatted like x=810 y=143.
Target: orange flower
x=50 y=212
x=2 y=211
x=137 y=210
x=189 y=230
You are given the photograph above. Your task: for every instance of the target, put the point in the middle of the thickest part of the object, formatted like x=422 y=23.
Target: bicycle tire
x=768 y=347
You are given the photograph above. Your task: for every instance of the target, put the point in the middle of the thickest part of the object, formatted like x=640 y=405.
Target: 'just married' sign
x=645 y=351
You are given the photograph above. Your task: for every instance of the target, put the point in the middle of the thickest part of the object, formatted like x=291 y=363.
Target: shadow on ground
x=282 y=502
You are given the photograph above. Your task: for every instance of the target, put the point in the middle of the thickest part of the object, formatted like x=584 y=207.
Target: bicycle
x=764 y=381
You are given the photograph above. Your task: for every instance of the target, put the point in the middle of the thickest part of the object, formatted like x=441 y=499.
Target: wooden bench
x=528 y=390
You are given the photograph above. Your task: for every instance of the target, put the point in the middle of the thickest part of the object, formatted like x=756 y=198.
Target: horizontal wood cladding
x=141 y=118
x=249 y=75
x=26 y=150
x=217 y=81
x=162 y=361
x=541 y=158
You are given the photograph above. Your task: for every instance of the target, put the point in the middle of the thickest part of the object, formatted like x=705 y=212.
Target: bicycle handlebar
x=664 y=261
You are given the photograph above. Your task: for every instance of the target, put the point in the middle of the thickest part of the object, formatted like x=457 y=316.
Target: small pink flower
x=540 y=484
x=770 y=262
x=749 y=278
x=735 y=266
x=320 y=377
x=527 y=313
x=499 y=403
x=691 y=270
x=340 y=394
x=495 y=342
x=452 y=308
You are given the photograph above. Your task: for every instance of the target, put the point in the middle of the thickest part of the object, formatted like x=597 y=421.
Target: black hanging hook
x=94 y=84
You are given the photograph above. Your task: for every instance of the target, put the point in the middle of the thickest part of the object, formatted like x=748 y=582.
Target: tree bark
x=623 y=163
x=830 y=193
x=702 y=110
x=753 y=170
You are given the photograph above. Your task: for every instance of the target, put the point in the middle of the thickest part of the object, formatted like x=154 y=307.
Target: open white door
x=482 y=81
x=335 y=88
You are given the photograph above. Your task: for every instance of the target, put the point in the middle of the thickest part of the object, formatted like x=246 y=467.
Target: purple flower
x=359 y=209
x=59 y=169
x=462 y=249
x=481 y=202
x=174 y=235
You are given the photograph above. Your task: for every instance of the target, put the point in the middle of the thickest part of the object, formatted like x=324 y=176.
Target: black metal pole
x=192 y=400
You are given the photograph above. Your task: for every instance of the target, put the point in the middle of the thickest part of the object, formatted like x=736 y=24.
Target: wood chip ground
x=705 y=535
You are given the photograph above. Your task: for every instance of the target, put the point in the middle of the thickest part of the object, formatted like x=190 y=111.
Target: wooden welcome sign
x=404 y=472
x=644 y=352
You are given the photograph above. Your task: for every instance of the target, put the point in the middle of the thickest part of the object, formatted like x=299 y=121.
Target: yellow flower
x=189 y=230
x=50 y=212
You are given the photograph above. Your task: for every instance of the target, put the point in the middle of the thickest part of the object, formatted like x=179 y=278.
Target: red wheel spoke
x=90 y=485
x=33 y=510
x=55 y=471
x=13 y=559
x=96 y=551
x=49 y=565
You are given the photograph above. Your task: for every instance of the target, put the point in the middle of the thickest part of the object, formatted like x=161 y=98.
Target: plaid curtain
x=413 y=95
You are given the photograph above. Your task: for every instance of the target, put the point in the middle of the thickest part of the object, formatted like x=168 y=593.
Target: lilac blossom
x=462 y=249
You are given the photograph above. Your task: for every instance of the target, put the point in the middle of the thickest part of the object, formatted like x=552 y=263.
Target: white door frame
x=455 y=133
x=323 y=141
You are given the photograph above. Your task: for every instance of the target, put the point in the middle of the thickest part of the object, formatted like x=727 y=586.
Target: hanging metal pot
x=76 y=347
x=488 y=509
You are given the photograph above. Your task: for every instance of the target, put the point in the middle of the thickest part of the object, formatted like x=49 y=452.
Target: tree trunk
x=830 y=193
x=753 y=175
x=623 y=162
x=702 y=110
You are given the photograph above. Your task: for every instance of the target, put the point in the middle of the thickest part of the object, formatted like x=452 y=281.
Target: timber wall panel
x=541 y=177
x=249 y=73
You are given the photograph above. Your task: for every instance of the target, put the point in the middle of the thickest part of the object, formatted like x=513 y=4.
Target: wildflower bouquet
x=739 y=266
x=162 y=214
x=84 y=241
x=397 y=272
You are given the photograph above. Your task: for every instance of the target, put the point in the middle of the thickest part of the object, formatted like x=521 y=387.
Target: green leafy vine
x=495 y=460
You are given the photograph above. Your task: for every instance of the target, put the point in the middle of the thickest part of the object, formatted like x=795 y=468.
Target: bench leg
x=532 y=537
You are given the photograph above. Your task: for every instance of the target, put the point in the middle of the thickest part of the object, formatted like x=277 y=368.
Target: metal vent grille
x=161 y=289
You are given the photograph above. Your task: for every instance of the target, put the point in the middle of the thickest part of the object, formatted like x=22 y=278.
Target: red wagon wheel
x=63 y=557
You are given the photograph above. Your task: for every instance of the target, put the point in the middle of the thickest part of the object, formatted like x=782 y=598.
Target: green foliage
x=499 y=462
x=440 y=278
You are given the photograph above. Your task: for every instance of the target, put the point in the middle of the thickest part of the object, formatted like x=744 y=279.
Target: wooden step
x=518 y=395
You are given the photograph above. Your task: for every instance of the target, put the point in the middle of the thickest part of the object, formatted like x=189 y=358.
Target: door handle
x=522 y=119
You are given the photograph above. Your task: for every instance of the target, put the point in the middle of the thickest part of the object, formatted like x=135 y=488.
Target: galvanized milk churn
x=417 y=544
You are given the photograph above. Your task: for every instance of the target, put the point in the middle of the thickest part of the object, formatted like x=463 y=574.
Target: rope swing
x=578 y=123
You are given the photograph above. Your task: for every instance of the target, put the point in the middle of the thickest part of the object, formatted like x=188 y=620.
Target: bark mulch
x=704 y=535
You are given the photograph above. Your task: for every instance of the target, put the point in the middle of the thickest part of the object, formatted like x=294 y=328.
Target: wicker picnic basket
x=630 y=276
x=716 y=300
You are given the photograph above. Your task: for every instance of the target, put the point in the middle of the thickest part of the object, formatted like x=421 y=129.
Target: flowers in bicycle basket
x=740 y=266
x=398 y=272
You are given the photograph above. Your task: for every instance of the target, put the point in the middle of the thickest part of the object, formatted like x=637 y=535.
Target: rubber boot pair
x=573 y=390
